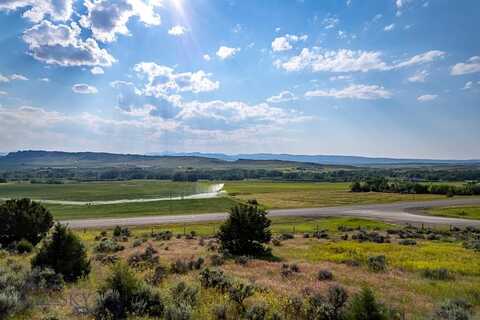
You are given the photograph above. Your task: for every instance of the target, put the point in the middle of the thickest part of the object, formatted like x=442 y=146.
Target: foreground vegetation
x=335 y=268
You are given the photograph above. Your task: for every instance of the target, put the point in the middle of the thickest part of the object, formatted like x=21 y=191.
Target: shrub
x=220 y=312
x=365 y=307
x=245 y=231
x=325 y=275
x=330 y=307
x=159 y=274
x=216 y=260
x=286 y=236
x=23 y=219
x=13 y=291
x=108 y=246
x=377 y=263
x=146 y=259
x=123 y=294
x=276 y=242
x=24 y=246
x=183 y=266
x=138 y=242
x=178 y=312
x=407 y=242
x=239 y=292
x=256 y=312
x=241 y=260
x=45 y=279
x=437 y=274
x=64 y=253
x=454 y=310
x=215 y=279
x=184 y=294
x=289 y=269
x=121 y=232
x=10 y=302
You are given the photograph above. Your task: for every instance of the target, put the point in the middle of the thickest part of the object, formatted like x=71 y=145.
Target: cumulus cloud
x=164 y=80
x=471 y=66
x=284 y=43
x=83 y=88
x=427 y=97
x=3 y=93
x=345 y=60
x=106 y=18
x=61 y=44
x=57 y=10
x=354 y=91
x=177 y=30
x=97 y=71
x=342 y=60
x=283 y=96
x=226 y=52
x=206 y=57
x=4 y=78
x=44 y=79
x=419 y=76
x=330 y=22
x=422 y=58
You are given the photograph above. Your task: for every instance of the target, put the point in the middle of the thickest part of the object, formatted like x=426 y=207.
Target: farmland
x=466 y=212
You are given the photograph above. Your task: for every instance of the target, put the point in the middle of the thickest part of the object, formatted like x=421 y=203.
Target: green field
x=124 y=210
x=95 y=191
x=276 y=195
x=466 y=212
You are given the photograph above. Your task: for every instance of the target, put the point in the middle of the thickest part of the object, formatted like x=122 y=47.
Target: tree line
x=384 y=185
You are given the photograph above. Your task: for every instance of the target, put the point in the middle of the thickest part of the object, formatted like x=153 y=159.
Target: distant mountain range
x=168 y=160
x=323 y=159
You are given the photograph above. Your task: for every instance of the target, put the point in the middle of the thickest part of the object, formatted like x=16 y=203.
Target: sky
x=397 y=78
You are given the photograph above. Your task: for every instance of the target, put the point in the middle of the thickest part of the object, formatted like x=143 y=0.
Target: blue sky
x=379 y=78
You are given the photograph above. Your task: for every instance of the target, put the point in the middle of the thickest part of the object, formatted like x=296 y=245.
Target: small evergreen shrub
x=364 y=306
x=24 y=246
x=64 y=253
x=108 y=246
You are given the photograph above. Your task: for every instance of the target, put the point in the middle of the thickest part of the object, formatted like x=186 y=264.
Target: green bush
x=13 y=291
x=325 y=275
x=364 y=306
x=23 y=219
x=64 y=253
x=24 y=246
x=245 y=231
x=240 y=291
x=184 y=294
x=256 y=312
x=330 y=307
x=178 y=312
x=215 y=279
x=377 y=263
x=455 y=310
x=10 y=302
x=108 y=246
x=437 y=274
x=123 y=294
x=45 y=279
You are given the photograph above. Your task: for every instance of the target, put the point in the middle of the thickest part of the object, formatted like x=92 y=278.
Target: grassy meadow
x=465 y=212
x=402 y=286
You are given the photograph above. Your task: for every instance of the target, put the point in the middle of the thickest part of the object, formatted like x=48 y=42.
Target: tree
x=365 y=307
x=64 y=253
x=245 y=231
x=23 y=219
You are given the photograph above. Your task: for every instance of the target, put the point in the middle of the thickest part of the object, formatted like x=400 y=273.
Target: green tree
x=23 y=219
x=64 y=253
x=245 y=231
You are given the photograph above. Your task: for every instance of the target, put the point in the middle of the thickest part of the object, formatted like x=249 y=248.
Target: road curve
x=398 y=212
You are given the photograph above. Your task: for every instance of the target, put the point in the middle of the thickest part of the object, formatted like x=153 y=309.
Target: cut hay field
x=402 y=286
x=279 y=195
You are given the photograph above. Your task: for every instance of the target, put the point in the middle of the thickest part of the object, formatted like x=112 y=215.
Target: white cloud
x=330 y=22
x=206 y=57
x=97 y=71
x=61 y=45
x=390 y=27
x=177 y=30
x=354 y=91
x=343 y=60
x=3 y=93
x=44 y=79
x=57 y=10
x=468 y=85
x=83 y=88
x=164 y=80
x=18 y=77
x=471 y=66
x=226 y=52
x=422 y=58
x=419 y=76
x=277 y=29
x=4 y=78
x=237 y=28
x=340 y=77
x=284 y=43
x=106 y=18
x=283 y=96
x=427 y=97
